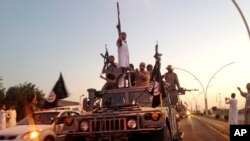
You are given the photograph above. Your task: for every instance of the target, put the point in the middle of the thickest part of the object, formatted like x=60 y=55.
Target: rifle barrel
x=190 y=90
x=119 y=23
x=118 y=9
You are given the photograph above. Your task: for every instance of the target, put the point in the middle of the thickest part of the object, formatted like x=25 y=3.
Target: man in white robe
x=11 y=115
x=123 y=56
x=2 y=117
x=233 y=111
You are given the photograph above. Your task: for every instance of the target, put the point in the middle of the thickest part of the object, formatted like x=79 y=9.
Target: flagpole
x=158 y=58
x=161 y=104
x=156 y=88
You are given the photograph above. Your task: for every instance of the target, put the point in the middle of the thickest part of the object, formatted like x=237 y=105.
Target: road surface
x=196 y=130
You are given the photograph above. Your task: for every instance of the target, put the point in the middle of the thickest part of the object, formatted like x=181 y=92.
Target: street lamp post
x=242 y=16
x=190 y=103
x=205 y=90
x=206 y=107
x=196 y=100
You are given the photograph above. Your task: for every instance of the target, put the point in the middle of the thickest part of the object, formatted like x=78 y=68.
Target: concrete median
x=221 y=126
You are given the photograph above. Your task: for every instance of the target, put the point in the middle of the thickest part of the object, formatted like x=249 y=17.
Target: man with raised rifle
x=123 y=55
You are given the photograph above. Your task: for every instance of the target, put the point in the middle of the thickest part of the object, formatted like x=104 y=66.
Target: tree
x=20 y=95
x=2 y=89
x=214 y=108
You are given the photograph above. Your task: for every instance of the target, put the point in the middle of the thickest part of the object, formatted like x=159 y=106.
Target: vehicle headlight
x=188 y=113
x=84 y=126
x=152 y=116
x=155 y=116
x=131 y=123
x=31 y=135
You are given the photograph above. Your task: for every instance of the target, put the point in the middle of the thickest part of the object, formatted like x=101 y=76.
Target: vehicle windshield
x=43 y=118
x=114 y=99
x=74 y=108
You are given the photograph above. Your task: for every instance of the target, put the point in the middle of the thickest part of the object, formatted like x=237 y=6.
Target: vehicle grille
x=108 y=124
x=7 y=137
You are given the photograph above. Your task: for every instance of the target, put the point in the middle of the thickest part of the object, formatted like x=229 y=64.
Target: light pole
x=206 y=107
x=219 y=100
x=242 y=16
x=205 y=90
x=196 y=99
x=189 y=103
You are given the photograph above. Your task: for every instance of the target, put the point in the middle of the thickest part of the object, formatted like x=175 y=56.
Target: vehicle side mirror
x=85 y=104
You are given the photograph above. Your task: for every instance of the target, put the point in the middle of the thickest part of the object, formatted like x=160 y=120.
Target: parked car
x=37 y=127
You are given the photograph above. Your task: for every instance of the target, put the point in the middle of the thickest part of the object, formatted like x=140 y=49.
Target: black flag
x=58 y=92
x=156 y=87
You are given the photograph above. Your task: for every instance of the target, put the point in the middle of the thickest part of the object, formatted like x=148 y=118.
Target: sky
x=206 y=38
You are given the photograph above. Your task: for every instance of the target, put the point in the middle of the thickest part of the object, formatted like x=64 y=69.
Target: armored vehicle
x=128 y=113
x=122 y=114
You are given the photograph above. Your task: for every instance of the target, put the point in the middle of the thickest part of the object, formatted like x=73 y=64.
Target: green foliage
x=22 y=94
x=217 y=116
x=221 y=114
x=2 y=89
x=223 y=111
x=214 y=108
x=226 y=117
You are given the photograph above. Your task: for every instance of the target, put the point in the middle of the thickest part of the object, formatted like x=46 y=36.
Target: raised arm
x=227 y=101
x=104 y=67
x=241 y=93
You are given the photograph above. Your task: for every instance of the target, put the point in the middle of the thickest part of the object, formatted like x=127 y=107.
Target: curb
x=215 y=124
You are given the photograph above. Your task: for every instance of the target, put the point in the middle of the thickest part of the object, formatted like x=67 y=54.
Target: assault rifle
x=156 y=87
x=157 y=55
x=183 y=90
x=106 y=55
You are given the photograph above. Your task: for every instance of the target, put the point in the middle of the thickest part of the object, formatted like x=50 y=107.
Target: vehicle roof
x=127 y=89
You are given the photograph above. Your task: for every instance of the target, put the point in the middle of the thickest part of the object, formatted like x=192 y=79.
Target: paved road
x=197 y=130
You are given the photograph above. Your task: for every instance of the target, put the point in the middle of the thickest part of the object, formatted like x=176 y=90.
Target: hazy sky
x=40 y=39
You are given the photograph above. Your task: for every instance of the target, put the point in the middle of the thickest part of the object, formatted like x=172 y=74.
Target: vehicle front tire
x=49 y=138
x=162 y=135
x=74 y=138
